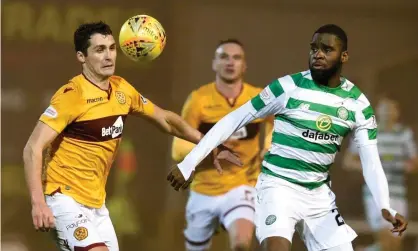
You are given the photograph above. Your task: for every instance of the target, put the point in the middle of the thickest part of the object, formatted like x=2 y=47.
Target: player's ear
x=214 y=65
x=80 y=57
x=344 y=56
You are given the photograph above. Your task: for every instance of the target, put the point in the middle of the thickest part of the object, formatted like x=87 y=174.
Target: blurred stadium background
x=38 y=56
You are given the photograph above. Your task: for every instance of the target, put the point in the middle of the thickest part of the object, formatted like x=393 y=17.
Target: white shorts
x=282 y=207
x=374 y=215
x=204 y=213
x=79 y=227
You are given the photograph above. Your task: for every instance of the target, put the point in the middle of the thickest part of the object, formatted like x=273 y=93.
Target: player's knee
x=241 y=242
x=275 y=243
x=242 y=247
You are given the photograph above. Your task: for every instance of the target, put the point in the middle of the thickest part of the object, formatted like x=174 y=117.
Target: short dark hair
x=84 y=32
x=336 y=31
x=230 y=41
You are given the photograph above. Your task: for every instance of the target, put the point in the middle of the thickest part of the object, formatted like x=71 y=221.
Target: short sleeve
x=140 y=105
x=63 y=108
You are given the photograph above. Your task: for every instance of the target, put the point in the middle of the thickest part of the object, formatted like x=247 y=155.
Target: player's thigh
x=102 y=248
x=240 y=234
x=326 y=231
x=277 y=209
x=276 y=244
x=237 y=204
x=106 y=229
x=237 y=214
x=201 y=221
x=75 y=228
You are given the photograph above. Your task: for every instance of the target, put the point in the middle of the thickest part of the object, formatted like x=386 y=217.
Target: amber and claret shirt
x=203 y=108
x=89 y=122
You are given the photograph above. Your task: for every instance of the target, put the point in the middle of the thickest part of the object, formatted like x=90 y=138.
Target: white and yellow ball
x=142 y=38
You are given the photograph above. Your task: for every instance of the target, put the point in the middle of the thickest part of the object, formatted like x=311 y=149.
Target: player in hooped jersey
x=82 y=129
x=293 y=190
x=228 y=198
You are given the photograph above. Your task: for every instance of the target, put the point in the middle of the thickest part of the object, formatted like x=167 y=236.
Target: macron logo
x=115 y=130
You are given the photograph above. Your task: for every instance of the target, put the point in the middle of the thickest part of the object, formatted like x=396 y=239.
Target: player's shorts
x=204 y=214
x=374 y=215
x=80 y=228
x=282 y=207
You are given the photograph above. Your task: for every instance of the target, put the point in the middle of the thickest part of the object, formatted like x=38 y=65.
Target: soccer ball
x=142 y=38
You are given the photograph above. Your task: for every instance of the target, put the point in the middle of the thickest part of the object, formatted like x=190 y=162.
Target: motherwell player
x=227 y=198
x=82 y=129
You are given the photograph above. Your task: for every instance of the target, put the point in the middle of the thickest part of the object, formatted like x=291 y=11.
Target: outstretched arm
x=365 y=137
x=220 y=132
x=173 y=124
x=270 y=101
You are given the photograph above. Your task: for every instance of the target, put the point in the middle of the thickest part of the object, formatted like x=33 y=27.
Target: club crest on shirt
x=342 y=113
x=120 y=97
x=81 y=233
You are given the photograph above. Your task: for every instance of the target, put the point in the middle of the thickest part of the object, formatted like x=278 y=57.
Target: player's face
x=101 y=55
x=326 y=56
x=229 y=63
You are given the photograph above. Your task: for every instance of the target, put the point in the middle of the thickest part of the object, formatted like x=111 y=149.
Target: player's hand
x=399 y=223
x=222 y=152
x=43 y=219
x=263 y=152
x=176 y=178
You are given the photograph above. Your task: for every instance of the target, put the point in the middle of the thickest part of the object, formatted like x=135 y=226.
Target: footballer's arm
x=41 y=137
x=220 y=132
x=175 y=125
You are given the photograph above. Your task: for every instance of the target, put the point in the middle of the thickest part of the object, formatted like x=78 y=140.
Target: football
x=142 y=38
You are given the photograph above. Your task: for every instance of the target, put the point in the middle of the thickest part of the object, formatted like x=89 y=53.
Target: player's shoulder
x=122 y=84
x=202 y=92
x=71 y=90
x=291 y=81
x=353 y=90
x=206 y=89
x=252 y=90
x=119 y=81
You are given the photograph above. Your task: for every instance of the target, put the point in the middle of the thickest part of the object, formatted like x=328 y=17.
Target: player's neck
x=334 y=81
x=102 y=83
x=229 y=90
